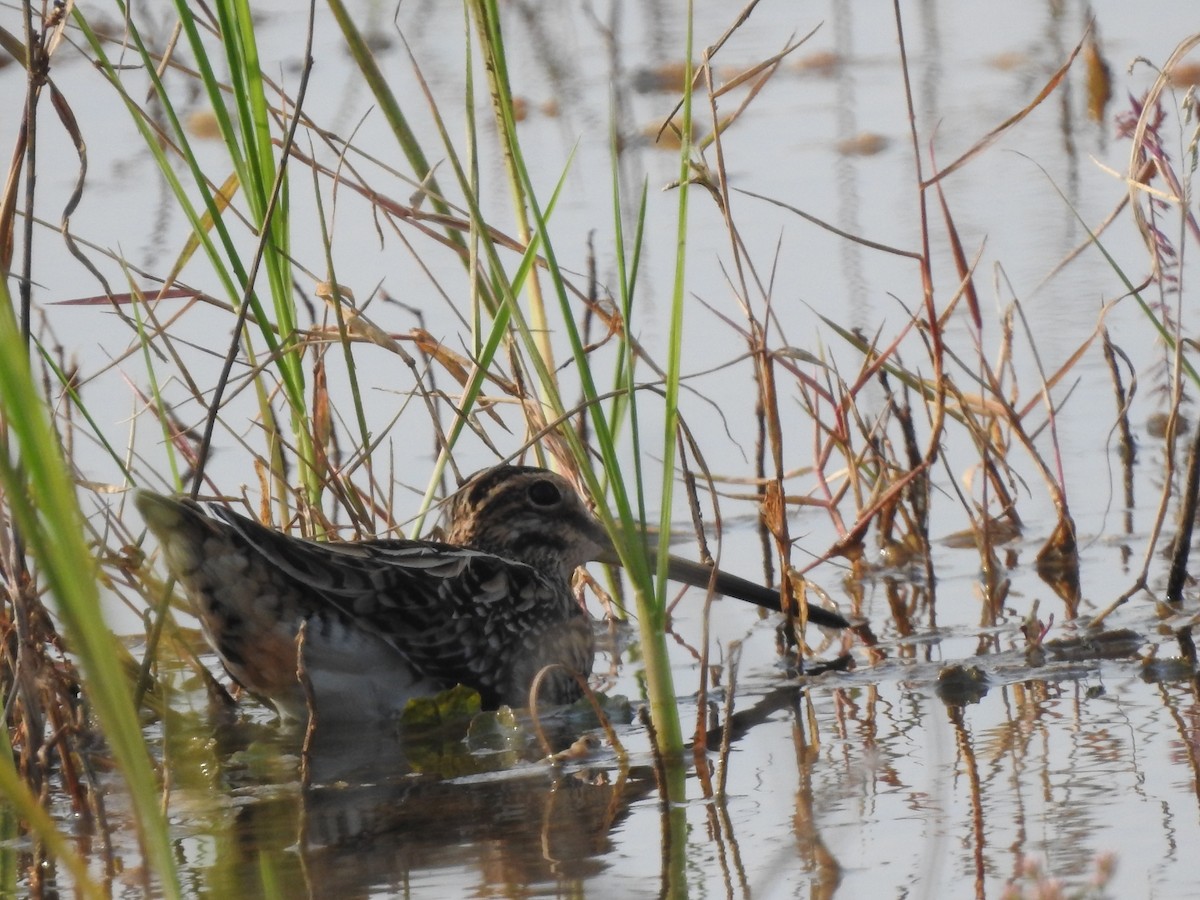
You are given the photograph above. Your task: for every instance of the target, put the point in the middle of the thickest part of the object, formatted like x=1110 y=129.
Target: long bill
x=701 y=575
x=705 y=576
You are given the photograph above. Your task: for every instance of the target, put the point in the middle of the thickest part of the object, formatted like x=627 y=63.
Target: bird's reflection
x=375 y=813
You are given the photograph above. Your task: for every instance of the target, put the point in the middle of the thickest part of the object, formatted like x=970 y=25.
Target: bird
x=385 y=621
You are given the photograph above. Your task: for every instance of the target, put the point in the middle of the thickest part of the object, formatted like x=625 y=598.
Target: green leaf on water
x=459 y=704
x=498 y=730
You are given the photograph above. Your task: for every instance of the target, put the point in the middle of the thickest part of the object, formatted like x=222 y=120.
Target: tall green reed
x=524 y=327
x=40 y=495
x=247 y=138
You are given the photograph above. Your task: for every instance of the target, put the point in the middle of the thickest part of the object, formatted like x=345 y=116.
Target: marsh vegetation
x=890 y=313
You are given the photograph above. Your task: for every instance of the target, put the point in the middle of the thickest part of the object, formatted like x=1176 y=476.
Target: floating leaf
x=457 y=705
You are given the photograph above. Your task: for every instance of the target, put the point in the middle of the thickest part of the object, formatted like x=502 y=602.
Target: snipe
x=388 y=620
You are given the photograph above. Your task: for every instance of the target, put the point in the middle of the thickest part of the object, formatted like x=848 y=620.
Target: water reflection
x=877 y=782
x=536 y=828
x=367 y=822
x=951 y=774
x=1072 y=767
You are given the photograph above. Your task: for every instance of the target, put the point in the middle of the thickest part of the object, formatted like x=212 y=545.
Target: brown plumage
x=388 y=620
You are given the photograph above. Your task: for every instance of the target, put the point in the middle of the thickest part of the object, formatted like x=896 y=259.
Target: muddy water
x=904 y=777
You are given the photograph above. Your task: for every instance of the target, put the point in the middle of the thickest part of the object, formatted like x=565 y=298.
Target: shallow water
x=862 y=783
x=851 y=783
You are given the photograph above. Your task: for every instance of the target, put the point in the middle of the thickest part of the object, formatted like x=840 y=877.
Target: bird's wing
x=451 y=612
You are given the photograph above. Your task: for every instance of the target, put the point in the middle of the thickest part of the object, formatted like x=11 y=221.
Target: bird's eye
x=545 y=493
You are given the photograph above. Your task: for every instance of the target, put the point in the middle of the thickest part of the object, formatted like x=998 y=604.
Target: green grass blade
x=42 y=501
